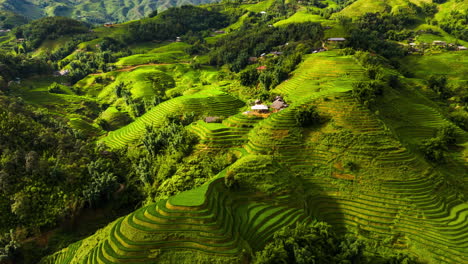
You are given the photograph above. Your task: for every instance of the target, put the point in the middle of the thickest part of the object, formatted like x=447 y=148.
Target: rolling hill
x=96 y=12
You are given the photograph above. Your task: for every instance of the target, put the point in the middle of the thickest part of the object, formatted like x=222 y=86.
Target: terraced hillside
x=209 y=221
x=210 y=102
x=359 y=171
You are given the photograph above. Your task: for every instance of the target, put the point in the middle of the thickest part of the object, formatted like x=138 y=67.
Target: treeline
x=275 y=71
x=49 y=171
x=84 y=62
x=318 y=243
x=9 y=20
x=49 y=28
x=175 y=22
x=19 y=65
x=167 y=163
x=236 y=48
x=373 y=29
x=456 y=24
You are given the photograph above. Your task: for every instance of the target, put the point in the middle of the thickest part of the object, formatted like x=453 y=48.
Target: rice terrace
x=264 y=132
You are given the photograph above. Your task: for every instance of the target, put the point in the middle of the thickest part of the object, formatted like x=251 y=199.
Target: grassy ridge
x=211 y=102
x=390 y=194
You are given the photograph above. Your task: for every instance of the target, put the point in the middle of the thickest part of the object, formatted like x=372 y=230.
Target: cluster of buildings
x=260 y=108
x=436 y=43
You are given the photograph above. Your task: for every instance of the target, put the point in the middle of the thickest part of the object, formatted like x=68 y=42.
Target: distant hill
x=10 y=20
x=92 y=11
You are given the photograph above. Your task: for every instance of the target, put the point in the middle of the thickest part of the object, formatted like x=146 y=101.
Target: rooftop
x=259 y=107
x=336 y=39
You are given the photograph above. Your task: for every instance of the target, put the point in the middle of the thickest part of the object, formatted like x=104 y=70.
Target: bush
x=438 y=84
x=308 y=116
x=55 y=88
x=434 y=149
x=367 y=91
x=317 y=243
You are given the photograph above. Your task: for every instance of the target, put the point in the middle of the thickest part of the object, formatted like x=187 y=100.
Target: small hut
x=213 y=119
x=439 y=43
x=336 y=40
x=260 y=108
x=279 y=104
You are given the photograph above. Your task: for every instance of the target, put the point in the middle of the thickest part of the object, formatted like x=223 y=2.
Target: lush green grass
x=393 y=195
x=301 y=17
x=138 y=81
x=210 y=102
x=320 y=74
x=171 y=53
x=157 y=58
x=429 y=38
x=288 y=173
x=447 y=7
x=453 y=64
x=360 y=7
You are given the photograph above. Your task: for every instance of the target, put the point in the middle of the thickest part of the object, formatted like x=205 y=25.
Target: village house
x=279 y=104
x=259 y=107
x=64 y=72
x=462 y=48
x=213 y=119
x=276 y=53
x=108 y=24
x=336 y=40
x=439 y=43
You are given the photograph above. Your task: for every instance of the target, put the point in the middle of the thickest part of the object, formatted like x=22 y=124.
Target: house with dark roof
x=336 y=40
x=279 y=104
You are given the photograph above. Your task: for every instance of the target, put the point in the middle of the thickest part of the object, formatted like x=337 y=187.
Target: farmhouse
x=64 y=72
x=108 y=24
x=462 y=48
x=439 y=43
x=336 y=40
x=279 y=104
x=260 y=108
x=212 y=119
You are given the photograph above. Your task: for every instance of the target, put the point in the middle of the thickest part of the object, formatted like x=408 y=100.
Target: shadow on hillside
x=320 y=205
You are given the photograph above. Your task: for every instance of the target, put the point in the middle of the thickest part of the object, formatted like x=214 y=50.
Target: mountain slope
x=92 y=11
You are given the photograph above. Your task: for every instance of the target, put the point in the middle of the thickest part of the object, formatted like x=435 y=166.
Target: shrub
x=230 y=181
x=438 y=84
x=434 y=149
x=307 y=116
x=460 y=118
x=366 y=91
x=55 y=88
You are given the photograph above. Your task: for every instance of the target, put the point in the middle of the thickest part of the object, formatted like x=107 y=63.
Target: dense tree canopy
x=49 y=28
x=176 y=22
